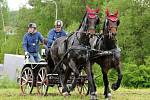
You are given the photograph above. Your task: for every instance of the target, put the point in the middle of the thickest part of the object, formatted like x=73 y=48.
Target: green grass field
x=53 y=94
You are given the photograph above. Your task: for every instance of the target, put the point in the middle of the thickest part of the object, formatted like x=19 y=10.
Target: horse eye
x=107 y=23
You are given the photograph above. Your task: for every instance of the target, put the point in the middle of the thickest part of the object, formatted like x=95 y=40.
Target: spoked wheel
x=83 y=88
x=82 y=85
x=42 y=81
x=26 y=81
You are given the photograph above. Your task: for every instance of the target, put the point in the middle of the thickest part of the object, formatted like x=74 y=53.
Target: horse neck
x=81 y=29
x=72 y=40
x=82 y=25
x=94 y=42
x=109 y=43
x=77 y=39
x=79 y=32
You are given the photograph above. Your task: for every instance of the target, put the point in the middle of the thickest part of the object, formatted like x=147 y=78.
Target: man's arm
x=24 y=44
x=50 y=38
x=41 y=38
x=64 y=33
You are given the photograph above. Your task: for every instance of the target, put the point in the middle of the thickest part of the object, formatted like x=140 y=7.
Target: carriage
x=40 y=76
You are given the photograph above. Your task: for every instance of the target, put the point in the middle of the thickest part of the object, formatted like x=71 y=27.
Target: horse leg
x=73 y=84
x=106 y=83
x=116 y=85
x=61 y=77
x=73 y=66
x=93 y=79
x=65 y=88
x=93 y=95
x=88 y=91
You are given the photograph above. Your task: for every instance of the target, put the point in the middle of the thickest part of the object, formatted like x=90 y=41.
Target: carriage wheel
x=27 y=81
x=83 y=88
x=42 y=81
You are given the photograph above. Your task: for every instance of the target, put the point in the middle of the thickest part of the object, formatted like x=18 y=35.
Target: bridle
x=108 y=28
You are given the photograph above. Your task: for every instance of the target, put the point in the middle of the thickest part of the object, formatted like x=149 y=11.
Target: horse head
x=111 y=24
x=90 y=20
x=88 y=26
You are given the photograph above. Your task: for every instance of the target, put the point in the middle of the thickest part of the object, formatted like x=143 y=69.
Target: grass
x=53 y=94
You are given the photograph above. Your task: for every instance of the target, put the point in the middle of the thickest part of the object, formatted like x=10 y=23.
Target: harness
x=68 y=50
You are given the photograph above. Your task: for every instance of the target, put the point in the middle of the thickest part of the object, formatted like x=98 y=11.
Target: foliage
x=136 y=76
x=72 y=27
x=6 y=83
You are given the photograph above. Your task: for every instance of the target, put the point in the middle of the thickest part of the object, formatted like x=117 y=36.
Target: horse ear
x=107 y=12
x=88 y=8
x=97 y=10
x=116 y=13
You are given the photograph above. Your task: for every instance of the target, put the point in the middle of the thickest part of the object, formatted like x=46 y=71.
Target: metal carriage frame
x=38 y=75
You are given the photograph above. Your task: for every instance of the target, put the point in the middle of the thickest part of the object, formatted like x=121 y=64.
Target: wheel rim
x=26 y=81
x=42 y=81
x=82 y=86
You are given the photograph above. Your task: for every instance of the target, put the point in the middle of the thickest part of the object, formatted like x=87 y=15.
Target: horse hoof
x=93 y=97
x=95 y=93
x=109 y=94
x=70 y=88
x=69 y=93
x=108 y=98
x=114 y=87
x=65 y=94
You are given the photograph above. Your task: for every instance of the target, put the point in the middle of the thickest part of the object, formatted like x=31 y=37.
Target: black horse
x=107 y=42
x=74 y=53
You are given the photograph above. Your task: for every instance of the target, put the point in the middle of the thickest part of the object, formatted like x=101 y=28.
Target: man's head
x=32 y=28
x=58 y=25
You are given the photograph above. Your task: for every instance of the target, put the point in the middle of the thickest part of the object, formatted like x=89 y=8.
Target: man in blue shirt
x=55 y=32
x=31 y=43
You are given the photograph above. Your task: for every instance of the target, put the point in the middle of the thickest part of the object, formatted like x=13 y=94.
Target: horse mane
x=104 y=26
x=81 y=24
